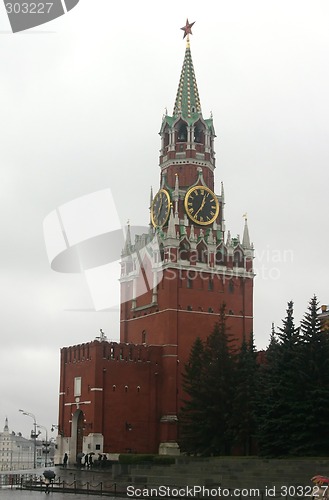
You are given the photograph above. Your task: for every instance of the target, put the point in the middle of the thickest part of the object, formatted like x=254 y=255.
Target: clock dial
x=201 y=205
x=160 y=208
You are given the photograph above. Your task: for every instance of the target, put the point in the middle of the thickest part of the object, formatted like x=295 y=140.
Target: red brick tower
x=175 y=278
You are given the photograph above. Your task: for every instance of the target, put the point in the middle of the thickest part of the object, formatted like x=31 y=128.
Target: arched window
x=143 y=337
x=199 y=136
x=166 y=139
x=184 y=250
x=238 y=258
x=182 y=133
x=202 y=252
x=221 y=256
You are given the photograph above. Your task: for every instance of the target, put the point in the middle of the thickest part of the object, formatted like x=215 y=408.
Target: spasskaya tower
x=175 y=277
x=119 y=397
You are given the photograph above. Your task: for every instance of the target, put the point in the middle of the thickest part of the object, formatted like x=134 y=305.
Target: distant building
x=324 y=316
x=17 y=452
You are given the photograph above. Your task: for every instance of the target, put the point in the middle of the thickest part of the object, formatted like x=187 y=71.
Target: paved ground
x=35 y=495
x=73 y=478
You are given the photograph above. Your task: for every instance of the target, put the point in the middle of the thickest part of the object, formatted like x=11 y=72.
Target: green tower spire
x=187 y=103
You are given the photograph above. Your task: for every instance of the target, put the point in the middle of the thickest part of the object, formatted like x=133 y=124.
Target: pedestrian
x=49 y=477
x=86 y=461
x=65 y=460
x=47 y=483
x=90 y=460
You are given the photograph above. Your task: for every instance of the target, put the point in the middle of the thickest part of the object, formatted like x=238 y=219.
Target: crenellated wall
x=116 y=386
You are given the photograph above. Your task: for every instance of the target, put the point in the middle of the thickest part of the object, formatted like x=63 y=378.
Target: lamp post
x=34 y=436
x=46 y=443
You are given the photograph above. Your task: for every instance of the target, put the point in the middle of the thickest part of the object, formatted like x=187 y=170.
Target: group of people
x=87 y=460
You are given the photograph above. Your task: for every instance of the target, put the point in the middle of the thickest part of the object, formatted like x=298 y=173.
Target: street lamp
x=34 y=436
x=46 y=443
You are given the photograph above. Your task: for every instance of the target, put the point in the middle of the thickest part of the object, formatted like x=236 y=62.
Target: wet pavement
x=31 y=495
x=74 y=479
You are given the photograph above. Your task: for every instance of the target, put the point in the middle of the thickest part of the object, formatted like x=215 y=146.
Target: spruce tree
x=192 y=412
x=268 y=409
x=312 y=431
x=289 y=378
x=279 y=402
x=208 y=381
x=218 y=384
x=244 y=401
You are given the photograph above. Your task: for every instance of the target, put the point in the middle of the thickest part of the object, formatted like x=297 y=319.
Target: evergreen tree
x=268 y=407
x=208 y=381
x=312 y=430
x=192 y=413
x=244 y=401
x=219 y=382
x=289 y=378
x=279 y=403
x=289 y=335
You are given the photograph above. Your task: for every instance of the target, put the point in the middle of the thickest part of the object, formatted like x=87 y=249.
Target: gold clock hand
x=160 y=206
x=201 y=206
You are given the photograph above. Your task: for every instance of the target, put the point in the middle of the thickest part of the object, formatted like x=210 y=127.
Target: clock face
x=160 y=208
x=201 y=205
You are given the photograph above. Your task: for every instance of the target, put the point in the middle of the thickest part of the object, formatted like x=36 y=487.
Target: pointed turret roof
x=246 y=239
x=127 y=247
x=6 y=428
x=171 y=232
x=187 y=103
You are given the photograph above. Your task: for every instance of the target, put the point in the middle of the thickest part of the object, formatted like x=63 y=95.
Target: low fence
x=142 y=490
x=34 y=482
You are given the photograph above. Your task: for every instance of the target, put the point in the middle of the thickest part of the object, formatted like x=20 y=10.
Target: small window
x=98 y=446
x=189 y=283
x=210 y=284
x=77 y=386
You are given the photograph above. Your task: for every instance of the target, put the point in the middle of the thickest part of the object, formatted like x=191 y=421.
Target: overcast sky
x=81 y=105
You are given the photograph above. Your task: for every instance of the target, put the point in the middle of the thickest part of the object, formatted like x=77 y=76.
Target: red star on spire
x=187 y=28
